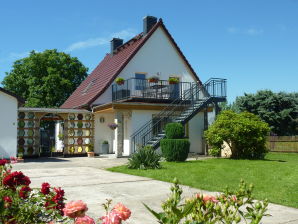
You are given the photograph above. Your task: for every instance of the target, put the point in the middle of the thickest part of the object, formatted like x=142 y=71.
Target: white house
x=8 y=123
x=141 y=106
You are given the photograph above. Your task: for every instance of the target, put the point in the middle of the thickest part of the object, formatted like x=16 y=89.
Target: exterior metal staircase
x=181 y=110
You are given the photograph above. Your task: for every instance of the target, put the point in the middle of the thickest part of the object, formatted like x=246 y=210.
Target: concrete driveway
x=85 y=179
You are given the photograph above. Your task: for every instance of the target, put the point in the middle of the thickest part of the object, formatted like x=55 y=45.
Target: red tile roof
x=110 y=67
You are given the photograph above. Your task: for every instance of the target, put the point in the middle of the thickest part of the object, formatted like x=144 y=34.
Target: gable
x=159 y=56
x=112 y=66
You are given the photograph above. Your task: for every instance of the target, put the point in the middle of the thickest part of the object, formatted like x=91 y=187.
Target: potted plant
x=120 y=81
x=90 y=152
x=153 y=79
x=105 y=147
x=113 y=126
x=173 y=80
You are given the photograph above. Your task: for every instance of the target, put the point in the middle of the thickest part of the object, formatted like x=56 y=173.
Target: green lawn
x=275 y=178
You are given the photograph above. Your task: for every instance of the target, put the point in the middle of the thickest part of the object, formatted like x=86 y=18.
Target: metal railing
x=144 y=89
x=191 y=100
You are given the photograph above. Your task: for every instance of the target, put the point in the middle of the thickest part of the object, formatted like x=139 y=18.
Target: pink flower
x=111 y=218
x=84 y=220
x=207 y=198
x=122 y=211
x=234 y=198
x=13 y=160
x=75 y=209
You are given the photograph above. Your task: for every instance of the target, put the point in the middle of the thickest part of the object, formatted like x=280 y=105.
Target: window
x=140 y=80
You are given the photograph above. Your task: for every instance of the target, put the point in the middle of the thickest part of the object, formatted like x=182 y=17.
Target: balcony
x=134 y=89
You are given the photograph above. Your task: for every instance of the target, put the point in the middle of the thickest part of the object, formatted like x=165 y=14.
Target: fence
x=283 y=143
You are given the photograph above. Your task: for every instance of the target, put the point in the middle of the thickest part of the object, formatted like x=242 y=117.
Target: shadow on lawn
x=275 y=160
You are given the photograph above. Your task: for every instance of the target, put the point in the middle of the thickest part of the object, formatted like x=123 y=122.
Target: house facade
x=8 y=123
x=127 y=100
x=138 y=100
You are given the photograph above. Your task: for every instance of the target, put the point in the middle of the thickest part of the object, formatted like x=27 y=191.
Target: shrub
x=244 y=133
x=144 y=158
x=214 y=151
x=174 y=131
x=175 y=149
x=223 y=208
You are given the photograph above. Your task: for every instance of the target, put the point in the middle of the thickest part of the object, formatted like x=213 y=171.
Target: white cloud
x=253 y=31
x=14 y=56
x=248 y=31
x=94 y=42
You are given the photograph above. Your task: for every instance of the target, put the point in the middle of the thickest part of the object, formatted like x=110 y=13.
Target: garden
x=273 y=174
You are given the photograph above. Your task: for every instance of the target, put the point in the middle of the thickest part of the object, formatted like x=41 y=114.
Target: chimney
x=115 y=43
x=148 y=23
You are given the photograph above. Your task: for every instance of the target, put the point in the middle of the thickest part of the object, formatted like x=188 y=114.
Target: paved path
x=86 y=179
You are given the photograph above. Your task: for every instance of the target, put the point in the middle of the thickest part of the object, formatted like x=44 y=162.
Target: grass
x=274 y=178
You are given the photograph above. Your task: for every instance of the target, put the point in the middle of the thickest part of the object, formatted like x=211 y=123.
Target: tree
x=244 y=133
x=279 y=110
x=45 y=79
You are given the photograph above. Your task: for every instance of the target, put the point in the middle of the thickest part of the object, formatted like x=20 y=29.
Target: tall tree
x=279 y=110
x=45 y=79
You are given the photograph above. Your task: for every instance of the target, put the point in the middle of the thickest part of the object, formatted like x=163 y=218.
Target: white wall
x=140 y=117
x=157 y=55
x=196 y=133
x=102 y=132
x=8 y=125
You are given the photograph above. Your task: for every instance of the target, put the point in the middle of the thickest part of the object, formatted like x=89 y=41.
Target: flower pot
x=90 y=154
x=105 y=148
x=120 y=83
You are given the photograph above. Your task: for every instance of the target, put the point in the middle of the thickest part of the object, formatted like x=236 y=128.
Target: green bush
x=144 y=158
x=175 y=149
x=244 y=133
x=214 y=151
x=227 y=207
x=174 y=131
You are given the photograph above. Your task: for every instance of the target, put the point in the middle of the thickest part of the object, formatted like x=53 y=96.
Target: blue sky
x=252 y=43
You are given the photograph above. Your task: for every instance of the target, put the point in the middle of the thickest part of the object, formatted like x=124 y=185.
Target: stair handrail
x=166 y=109
x=169 y=110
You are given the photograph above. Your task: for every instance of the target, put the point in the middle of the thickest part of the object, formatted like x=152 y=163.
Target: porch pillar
x=205 y=128
x=119 y=135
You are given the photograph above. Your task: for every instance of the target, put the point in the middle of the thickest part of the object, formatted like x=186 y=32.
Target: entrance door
x=175 y=89
x=51 y=137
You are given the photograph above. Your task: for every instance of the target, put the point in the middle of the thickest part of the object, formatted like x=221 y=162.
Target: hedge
x=174 y=131
x=175 y=149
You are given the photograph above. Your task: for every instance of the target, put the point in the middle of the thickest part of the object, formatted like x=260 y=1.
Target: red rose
x=7 y=201
x=45 y=188
x=3 y=162
x=14 y=179
x=24 y=192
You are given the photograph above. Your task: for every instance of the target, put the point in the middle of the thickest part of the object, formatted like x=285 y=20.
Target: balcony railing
x=143 y=89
